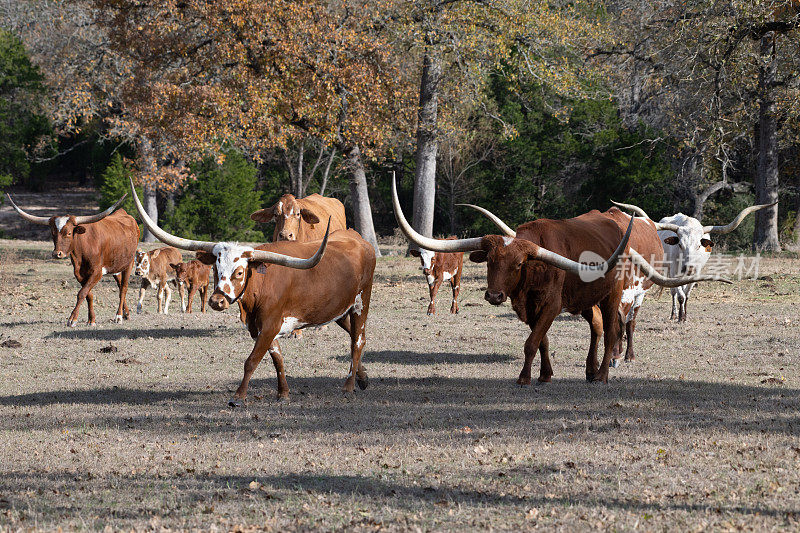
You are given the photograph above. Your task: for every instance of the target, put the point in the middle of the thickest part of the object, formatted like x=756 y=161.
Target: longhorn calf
x=438 y=267
x=154 y=269
x=97 y=245
x=279 y=292
x=193 y=274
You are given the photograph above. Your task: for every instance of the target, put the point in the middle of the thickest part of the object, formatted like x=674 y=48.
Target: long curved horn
x=44 y=221
x=88 y=219
x=294 y=262
x=667 y=226
x=163 y=236
x=666 y=281
x=736 y=221
x=434 y=245
x=494 y=218
x=636 y=209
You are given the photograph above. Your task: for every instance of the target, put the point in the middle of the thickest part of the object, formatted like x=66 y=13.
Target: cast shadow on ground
x=404 y=357
x=123 y=333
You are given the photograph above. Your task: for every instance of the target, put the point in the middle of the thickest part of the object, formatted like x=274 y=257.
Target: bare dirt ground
x=700 y=433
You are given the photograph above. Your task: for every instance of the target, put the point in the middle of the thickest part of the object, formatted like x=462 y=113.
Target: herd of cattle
x=318 y=271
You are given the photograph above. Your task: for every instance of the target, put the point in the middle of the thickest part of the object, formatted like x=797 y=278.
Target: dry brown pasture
x=700 y=433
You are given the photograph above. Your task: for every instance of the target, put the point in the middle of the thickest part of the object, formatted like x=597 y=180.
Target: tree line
x=531 y=108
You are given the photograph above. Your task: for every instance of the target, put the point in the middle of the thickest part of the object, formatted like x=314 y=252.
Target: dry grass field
x=701 y=432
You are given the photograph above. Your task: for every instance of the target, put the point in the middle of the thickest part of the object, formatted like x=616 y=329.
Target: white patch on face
x=60 y=221
x=290 y=324
x=689 y=251
x=358 y=305
x=507 y=240
x=426 y=257
x=229 y=258
x=143 y=267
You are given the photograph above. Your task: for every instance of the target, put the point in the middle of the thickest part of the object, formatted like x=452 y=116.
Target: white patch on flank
x=448 y=275
x=358 y=305
x=425 y=256
x=226 y=252
x=104 y=271
x=431 y=279
x=633 y=295
x=507 y=240
x=290 y=324
x=60 y=221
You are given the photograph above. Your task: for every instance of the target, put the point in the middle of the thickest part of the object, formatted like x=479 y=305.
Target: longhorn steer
x=438 y=267
x=99 y=244
x=193 y=274
x=540 y=272
x=687 y=247
x=280 y=292
x=154 y=269
x=298 y=219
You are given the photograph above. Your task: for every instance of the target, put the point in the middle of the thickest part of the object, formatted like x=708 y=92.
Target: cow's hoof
x=118 y=319
x=630 y=359
x=138 y=309
x=72 y=323
x=522 y=382
x=600 y=379
x=235 y=402
x=362 y=383
x=92 y=324
x=544 y=379
x=614 y=363
x=282 y=397
x=589 y=378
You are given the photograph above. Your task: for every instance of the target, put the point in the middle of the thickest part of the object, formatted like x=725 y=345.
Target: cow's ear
x=261 y=268
x=414 y=252
x=478 y=256
x=309 y=217
x=247 y=254
x=78 y=230
x=207 y=258
x=671 y=240
x=264 y=215
x=155 y=253
x=707 y=244
x=174 y=265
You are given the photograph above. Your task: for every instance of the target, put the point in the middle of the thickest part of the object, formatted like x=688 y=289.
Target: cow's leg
x=674 y=313
x=263 y=343
x=122 y=279
x=434 y=288
x=545 y=368
x=190 y=298
x=595 y=320
x=609 y=309
x=90 y=308
x=277 y=361
x=455 y=282
x=358 y=338
x=86 y=287
x=539 y=327
x=160 y=298
x=183 y=299
x=630 y=327
x=344 y=322
x=686 y=291
x=681 y=298
x=167 y=298
x=203 y=294
x=142 y=290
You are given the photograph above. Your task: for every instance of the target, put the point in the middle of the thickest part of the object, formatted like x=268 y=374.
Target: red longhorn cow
x=543 y=271
x=279 y=292
x=298 y=219
x=99 y=244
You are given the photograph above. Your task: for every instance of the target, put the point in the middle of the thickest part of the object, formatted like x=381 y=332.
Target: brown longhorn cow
x=194 y=274
x=99 y=244
x=438 y=267
x=299 y=219
x=549 y=267
x=154 y=269
x=279 y=292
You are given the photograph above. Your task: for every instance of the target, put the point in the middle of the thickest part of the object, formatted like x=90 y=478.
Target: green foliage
x=558 y=168
x=114 y=182
x=22 y=126
x=217 y=204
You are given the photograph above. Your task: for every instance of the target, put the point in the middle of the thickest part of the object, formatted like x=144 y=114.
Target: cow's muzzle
x=286 y=236
x=219 y=302
x=58 y=254
x=495 y=298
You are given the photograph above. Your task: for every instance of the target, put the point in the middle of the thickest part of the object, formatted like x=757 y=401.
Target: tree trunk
x=149 y=169
x=765 y=236
x=362 y=212
x=327 y=172
x=427 y=143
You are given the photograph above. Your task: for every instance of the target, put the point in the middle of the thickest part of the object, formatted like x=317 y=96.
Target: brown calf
x=154 y=269
x=438 y=267
x=303 y=219
x=195 y=275
x=97 y=245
